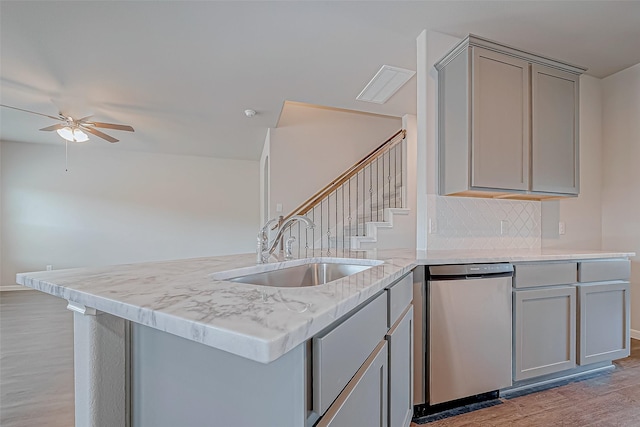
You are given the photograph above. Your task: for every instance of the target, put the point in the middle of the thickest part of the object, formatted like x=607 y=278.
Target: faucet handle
x=288 y=252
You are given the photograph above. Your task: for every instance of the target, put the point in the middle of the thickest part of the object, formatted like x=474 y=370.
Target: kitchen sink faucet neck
x=266 y=248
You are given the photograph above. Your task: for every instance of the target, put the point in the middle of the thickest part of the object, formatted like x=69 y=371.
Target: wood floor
x=606 y=400
x=36 y=360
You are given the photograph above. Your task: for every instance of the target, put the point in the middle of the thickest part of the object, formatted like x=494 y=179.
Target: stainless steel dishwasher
x=469 y=322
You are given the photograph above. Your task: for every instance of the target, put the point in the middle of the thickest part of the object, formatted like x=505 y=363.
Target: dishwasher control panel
x=470 y=270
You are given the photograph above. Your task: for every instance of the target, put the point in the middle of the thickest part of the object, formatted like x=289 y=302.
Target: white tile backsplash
x=475 y=223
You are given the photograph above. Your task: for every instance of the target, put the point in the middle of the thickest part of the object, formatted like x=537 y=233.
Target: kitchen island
x=248 y=344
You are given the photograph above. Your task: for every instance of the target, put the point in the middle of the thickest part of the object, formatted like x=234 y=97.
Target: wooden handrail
x=314 y=200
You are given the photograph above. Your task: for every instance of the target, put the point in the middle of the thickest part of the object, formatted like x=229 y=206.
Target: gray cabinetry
x=508 y=122
x=400 y=339
x=339 y=352
x=554 y=132
x=352 y=385
x=500 y=102
x=603 y=310
x=569 y=313
x=536 y=274
x=604 y=321
x=544 y=331
x=604 y=270
x=363 y=403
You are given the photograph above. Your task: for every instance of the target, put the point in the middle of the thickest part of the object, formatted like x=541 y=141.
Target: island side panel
x=175 y=382
x=100 y=368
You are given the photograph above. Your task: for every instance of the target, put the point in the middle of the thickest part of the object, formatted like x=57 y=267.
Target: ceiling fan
x=74 y=130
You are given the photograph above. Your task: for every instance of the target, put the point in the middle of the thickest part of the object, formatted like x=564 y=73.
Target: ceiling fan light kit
x=72 y=135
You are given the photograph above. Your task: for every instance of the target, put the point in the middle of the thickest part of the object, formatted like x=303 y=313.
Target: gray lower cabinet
x=400 y=339
x=339 y=352
x=603 y=329
x=364 y=402
x=362 y=367
x=544 y=331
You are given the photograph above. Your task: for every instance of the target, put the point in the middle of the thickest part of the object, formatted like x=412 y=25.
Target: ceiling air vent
x=384 y=84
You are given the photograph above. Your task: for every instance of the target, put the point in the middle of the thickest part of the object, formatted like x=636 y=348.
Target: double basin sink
x=299 y=273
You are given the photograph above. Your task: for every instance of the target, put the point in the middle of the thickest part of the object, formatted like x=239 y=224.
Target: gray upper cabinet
x=508 y=123
x=554 y=133
x=500 y=102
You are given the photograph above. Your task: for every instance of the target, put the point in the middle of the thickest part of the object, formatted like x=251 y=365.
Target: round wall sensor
x=249 y=113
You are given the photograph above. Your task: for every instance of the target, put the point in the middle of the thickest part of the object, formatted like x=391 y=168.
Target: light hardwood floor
x=36 y=379
x=606 y=400
x=36 y=360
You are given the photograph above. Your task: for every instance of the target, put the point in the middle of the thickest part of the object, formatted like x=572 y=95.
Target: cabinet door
x=604 y=322
x=554 y=146
x=544 y=331
x=364 y=402
x=500 y=121
x=340 y=352
x=400 y=339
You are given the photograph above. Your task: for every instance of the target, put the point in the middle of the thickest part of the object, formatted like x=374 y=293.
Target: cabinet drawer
x=339 y=353
x=602 y=270
x=544 y=274
x=400 y=296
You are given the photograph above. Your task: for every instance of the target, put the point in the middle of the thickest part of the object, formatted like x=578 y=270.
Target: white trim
x=80 y=308
x=421 y=161
x=14 y=288
x=635 y=334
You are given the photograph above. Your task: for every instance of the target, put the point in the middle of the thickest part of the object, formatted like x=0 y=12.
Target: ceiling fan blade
x=54 y=127
x=32 y=112
x=111 y=126
x=99 y=134
x=82 y=120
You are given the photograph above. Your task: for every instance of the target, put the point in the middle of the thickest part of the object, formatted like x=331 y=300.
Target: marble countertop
x=256 y=322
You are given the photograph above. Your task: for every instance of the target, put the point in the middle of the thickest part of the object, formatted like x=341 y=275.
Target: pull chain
x=66 y=156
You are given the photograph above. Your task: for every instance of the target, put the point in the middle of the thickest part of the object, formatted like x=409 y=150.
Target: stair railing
x=359 y=195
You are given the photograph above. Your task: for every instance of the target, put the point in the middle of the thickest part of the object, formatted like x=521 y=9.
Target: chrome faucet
x=265 y=249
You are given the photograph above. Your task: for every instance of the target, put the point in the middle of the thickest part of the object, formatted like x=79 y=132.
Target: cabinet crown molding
x=473 y=40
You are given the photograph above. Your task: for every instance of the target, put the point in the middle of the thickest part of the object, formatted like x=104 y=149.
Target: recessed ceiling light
x=384 y=84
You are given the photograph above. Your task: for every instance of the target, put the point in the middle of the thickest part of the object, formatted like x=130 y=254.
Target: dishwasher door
x=470 y=337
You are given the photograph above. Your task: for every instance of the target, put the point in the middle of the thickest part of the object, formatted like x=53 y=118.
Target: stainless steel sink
x=307 y=274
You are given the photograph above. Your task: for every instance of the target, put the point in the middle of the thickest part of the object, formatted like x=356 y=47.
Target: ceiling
x=183 y=72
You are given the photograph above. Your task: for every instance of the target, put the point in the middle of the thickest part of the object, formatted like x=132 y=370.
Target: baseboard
x=554 y=380
x=14 y=288
x=635 y=334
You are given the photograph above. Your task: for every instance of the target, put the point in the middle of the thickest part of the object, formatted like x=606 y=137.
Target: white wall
x=1 y=222
x=115 y=207
x=621 y=173
x=581 y=215
x=313 y=145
